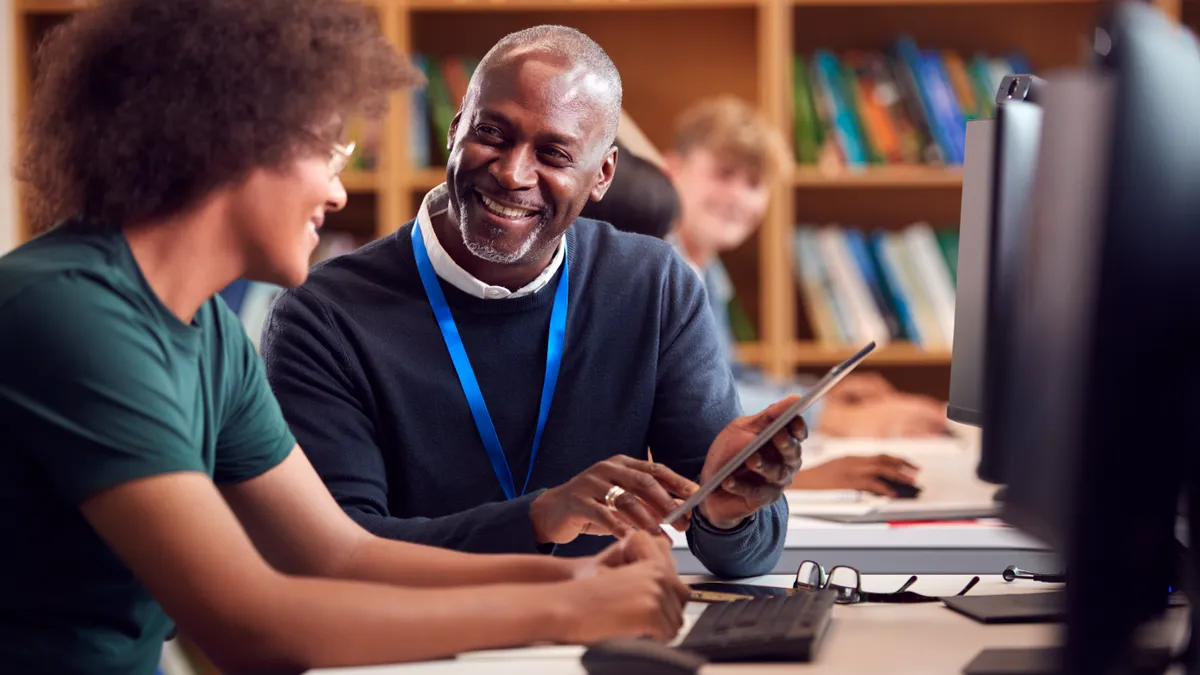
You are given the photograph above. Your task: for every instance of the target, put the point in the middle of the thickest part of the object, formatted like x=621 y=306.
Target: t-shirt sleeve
x=86 y=391
x=254 y=436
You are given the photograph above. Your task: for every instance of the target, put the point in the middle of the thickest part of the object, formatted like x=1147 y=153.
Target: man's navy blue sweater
x=360 y=368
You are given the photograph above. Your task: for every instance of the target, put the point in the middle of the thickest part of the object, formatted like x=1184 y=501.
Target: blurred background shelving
x=672 y=53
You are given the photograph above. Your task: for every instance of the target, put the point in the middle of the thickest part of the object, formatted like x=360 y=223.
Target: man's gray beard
x=482 y=247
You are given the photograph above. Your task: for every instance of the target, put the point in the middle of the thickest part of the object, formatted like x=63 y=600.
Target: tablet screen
x=798 y=408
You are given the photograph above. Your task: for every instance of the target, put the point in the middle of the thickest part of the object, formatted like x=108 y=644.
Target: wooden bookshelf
x=360 y=181
x=907 y=177
x=673 y=52
x=751 y=353
x=809 y=354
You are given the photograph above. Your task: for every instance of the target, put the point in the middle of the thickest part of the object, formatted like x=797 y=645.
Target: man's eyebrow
x=555 y=137
x=494 y=116
x=560 y=138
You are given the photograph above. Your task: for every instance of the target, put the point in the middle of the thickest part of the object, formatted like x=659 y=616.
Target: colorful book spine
x=932 y=275
x=857 y=244
x=914 y=103
x=828 y=322
x=850 y=287
x=945 y=104
x=840 y=112
x=806 y=127
x=889 y=281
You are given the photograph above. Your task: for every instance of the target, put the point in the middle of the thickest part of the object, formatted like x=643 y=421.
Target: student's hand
x=634 y=548
x=888 y=416
x=764 y=476
x=857 y=473
x=859 y=387
x=577 y=507
x=643 y=599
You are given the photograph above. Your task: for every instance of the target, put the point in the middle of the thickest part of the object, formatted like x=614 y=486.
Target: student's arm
x=102 y=420
x=180 y=539
x=329 y=407
x=695 y=400
x=297 y=526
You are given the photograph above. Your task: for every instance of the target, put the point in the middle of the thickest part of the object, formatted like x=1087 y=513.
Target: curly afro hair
x=141 y=108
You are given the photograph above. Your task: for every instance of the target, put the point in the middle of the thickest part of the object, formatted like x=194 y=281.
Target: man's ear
x=604 y=178
x=453 y=130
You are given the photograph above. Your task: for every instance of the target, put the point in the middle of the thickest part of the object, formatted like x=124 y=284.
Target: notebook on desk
x=888 y=511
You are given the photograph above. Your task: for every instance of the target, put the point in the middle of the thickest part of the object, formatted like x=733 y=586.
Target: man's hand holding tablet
x=753 y=460
x=759 y=480
x=749 y=465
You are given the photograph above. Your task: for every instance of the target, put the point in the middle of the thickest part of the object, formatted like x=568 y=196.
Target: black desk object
x=1011 y=608
x=764 y=629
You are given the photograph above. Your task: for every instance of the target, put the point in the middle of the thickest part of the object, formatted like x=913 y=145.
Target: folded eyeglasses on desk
x=789 y=624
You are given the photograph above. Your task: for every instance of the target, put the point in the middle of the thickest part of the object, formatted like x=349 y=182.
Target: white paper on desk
x=810 y=503
x=828 y=448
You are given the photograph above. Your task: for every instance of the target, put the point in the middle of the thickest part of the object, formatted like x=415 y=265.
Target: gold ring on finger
x=614 y=493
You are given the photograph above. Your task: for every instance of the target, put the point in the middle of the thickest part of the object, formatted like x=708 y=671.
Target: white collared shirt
x=456 y=276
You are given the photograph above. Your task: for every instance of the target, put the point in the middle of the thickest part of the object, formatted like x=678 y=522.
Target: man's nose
x=516 y=169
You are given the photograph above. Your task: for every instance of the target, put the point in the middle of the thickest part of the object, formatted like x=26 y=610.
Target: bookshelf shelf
x=360 y=181
x=751 y=353
x=673 y=52
x=559 y=5
x=811 y=353
x=881 y=176
x=427 y=178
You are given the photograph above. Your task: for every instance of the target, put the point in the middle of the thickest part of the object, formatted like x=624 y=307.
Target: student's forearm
x=300 y=623
x=382 y=560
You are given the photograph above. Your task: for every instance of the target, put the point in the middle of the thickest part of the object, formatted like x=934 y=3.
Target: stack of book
x=886 y=286
x=903 y=105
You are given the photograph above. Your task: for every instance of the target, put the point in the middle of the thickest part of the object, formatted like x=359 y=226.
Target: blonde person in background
x=148 y=479
x=723 y=159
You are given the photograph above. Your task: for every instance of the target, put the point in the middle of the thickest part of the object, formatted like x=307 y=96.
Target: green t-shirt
x=99 y=385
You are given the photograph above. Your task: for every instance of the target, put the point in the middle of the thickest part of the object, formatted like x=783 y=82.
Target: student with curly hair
x=147 y=476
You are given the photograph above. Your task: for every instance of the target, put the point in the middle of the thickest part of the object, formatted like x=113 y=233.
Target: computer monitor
x=971 y=287
x=1094 y=417
x=1001 y=160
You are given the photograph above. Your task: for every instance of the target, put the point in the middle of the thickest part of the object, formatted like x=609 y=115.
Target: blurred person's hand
x=857 y=473
x=887 y=416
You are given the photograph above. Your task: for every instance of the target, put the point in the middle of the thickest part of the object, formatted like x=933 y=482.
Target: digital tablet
x=798 y=408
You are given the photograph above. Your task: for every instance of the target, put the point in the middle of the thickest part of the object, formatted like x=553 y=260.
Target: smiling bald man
x=492 y=375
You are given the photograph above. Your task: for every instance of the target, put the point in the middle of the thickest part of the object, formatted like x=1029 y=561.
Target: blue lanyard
x=466 y=374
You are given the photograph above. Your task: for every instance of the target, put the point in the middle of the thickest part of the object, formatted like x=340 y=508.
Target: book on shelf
x=435 y=104
x=884 y=285
x=367 y=136
x=902 y=105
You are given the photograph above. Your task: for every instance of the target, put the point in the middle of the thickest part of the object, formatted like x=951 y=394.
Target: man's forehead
x=564 y=95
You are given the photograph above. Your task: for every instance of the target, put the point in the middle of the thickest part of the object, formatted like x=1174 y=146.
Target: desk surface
x=947 y=475
x=925 y=639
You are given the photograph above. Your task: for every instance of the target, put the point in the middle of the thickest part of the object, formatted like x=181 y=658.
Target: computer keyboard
x=764 y=629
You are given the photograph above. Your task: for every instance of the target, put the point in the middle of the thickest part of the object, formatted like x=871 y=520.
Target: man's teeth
x=506 y=211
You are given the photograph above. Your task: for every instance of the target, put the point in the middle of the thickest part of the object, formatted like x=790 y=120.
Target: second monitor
x=999 y=170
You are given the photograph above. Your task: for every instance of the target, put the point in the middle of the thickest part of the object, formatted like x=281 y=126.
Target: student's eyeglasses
x=339 y=157
x=846 y=582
